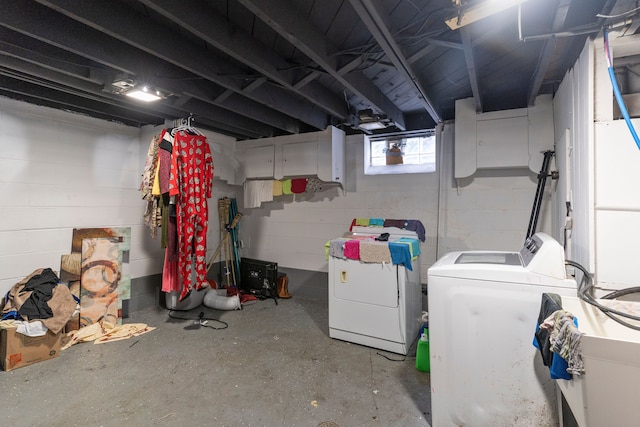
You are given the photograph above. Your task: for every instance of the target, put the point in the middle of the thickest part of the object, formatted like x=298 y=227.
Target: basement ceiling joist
x=259 y=68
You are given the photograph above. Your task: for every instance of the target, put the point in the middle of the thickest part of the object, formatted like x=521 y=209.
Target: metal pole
x=537 y=202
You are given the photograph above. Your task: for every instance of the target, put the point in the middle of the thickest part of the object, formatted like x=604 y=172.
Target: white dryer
x=483 y=310
x=377 y=305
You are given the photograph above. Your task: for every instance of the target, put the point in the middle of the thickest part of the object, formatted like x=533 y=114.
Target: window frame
x=370 y=169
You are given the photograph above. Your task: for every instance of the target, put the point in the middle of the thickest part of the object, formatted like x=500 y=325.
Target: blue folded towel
x=415 y=245
x=400 y=254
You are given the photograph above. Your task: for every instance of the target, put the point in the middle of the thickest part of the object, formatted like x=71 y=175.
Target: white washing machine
x=483 y=310
x=377 y=305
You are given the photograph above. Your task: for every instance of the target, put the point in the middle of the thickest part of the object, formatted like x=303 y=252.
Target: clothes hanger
x=186 y=125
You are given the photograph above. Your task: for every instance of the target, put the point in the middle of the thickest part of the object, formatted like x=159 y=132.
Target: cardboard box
x=18 y=350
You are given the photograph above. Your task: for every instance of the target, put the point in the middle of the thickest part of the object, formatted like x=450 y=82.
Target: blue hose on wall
x=616 y=91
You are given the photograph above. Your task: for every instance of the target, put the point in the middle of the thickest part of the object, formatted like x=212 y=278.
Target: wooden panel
x=99 y=284
x=122 y=235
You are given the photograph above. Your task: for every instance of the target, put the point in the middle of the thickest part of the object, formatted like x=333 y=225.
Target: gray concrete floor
x=275 y=365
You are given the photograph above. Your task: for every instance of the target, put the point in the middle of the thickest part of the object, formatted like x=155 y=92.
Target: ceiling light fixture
x=478 y=10
x=372 y=126
x=131 y=88
x=145 y=94
x=369 y=121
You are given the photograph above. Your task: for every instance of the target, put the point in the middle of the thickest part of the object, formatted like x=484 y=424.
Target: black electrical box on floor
x=258 y=277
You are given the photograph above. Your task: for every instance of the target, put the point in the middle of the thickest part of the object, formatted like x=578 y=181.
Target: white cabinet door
x=503 y=143
x=300 y=158
x=258 y=162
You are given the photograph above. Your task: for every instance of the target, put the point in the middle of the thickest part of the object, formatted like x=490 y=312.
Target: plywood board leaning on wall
x=123 y=234
x=99 y=281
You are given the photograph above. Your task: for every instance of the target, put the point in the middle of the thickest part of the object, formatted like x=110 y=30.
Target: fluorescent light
x=480 y=11
x=144 y=94
x=368 y=120
x=372 y=125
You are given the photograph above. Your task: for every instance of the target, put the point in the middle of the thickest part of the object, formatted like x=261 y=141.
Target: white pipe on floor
x=221 y=302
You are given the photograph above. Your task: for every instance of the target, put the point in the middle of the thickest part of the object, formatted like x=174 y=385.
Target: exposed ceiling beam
x=10 y=45
x=352 y=65
x=471 y=67
x=231 y=101
x=415 y=57
x=222 y=119
x=307 y=79
x=29 y=68
x=29 y=86
x=444 y=43
x=159 y=41
x=120 y=56
x=282 y=17
x=375 y=18
x=15 y=92
x=546 y=54
x=202 y=111
x=32 y=95
x=198 y=18
x=36 y=21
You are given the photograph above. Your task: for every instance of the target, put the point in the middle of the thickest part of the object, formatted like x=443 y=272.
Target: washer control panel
x=544 y=255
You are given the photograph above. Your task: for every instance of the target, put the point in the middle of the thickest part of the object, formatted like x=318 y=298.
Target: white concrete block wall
x=490 y=210
x=64 y=170
x=60 y=171
x=293 y=233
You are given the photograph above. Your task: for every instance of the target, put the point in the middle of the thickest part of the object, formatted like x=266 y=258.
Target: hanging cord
x=201 y=320
x=616 y=90
x=585 y=293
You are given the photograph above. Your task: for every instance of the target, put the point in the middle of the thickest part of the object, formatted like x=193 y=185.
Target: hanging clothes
x=152 y=215
x=190 y=180
x=167 y=203
x=256 y=192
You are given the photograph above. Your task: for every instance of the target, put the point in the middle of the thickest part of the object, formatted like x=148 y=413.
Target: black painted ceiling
x=257 y=68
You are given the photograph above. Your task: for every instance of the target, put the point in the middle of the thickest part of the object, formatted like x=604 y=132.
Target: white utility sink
x=607 y=394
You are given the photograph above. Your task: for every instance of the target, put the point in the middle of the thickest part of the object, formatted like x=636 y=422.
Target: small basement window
x=400 y=153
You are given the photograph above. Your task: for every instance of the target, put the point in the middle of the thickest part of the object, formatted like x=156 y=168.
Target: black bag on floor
x=259 y=277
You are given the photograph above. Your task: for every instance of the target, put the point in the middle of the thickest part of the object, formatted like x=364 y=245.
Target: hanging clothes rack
x=185 y=124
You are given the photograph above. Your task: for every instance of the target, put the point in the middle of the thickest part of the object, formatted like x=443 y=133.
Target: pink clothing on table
x=352 y=249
